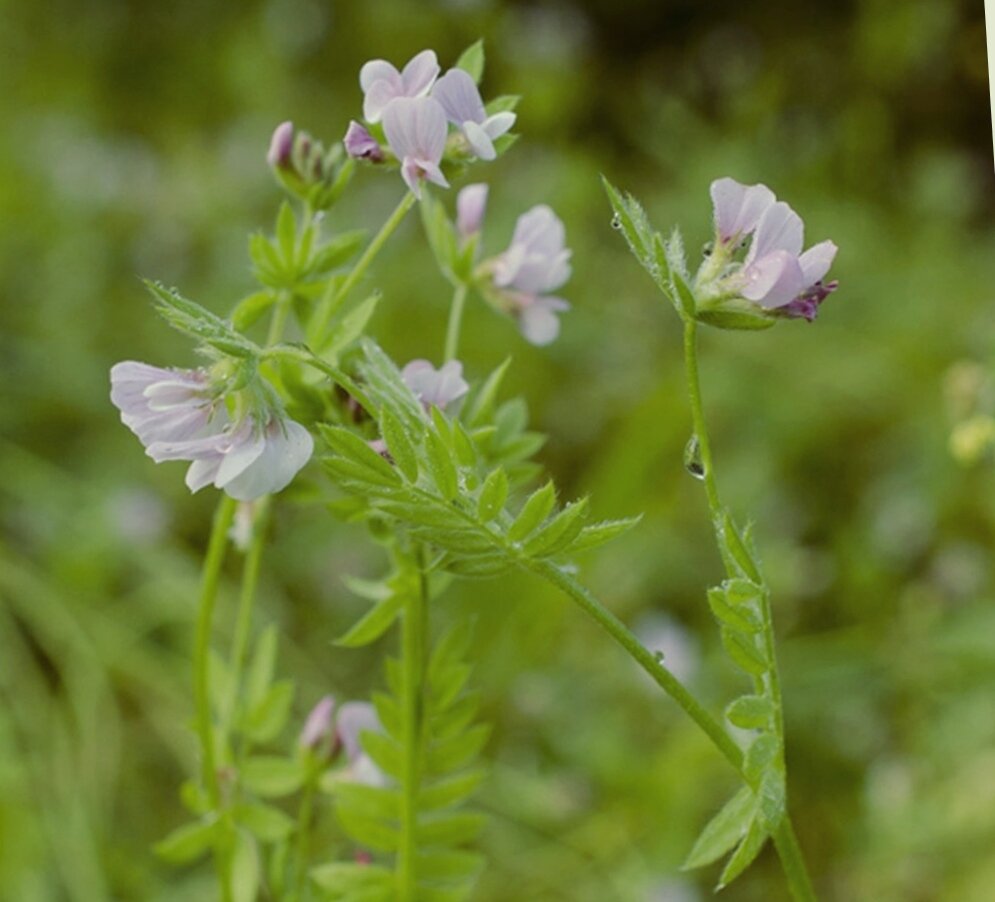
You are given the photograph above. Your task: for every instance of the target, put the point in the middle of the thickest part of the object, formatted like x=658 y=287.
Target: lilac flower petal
x=247 y=443
x=507 y=266
x=435 y=387
x=471 y=204
x=539 y=321
x=738 y=208
x=378 y=70
x=815 y=262
x=457 y=93
x=202 y=473
x=415 y=128
x=498 y=124
x=479 y=141
x=433 y=173
x=779 y=229
x=287 y=447
x=354 y=719
x=420 y=73
x=540 y=230
x=318 y=725
x=774 y=280
x=380 y=96
x=281 y=145
x=207 y=446
x=411 y=173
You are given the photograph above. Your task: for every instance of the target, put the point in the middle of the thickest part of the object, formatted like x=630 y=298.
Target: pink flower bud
x=318 y=729
x=281 y=146
x=361 y=145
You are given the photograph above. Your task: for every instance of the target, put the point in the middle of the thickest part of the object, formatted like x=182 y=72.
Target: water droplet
x=692 y=458
x=616 y=221
x=658 y=655
x=708 y=249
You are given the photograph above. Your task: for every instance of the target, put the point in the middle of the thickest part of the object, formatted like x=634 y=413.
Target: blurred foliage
x=134 y=144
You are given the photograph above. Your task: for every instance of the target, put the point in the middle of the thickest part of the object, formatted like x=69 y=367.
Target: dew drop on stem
x=616 y=221
x=692 y=458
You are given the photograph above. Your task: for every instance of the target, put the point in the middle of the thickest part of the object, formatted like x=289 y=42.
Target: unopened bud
x=319 y=731
x=361 y=145
x=281 y=146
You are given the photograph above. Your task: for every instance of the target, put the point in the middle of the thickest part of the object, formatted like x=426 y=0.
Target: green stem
x=331 y=303
x=304 y=815
x=788 y=849
x=641 y=655
x=414 y=629
x=278 y=321
x=246 y=601
x=455 y=319
x=211 y=574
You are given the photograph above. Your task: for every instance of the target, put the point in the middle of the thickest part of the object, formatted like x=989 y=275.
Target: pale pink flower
x=435 y=387
x=536 y=263
x=356 y=718
x=738 y=208
x=471 y=204
x=458 y=94
x=416 y=132
x=382 y=83
x=318 y=729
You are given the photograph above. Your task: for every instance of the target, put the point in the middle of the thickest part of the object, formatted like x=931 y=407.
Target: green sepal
x=471 y=60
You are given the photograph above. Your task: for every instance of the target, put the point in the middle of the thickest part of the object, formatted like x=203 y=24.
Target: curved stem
x=413 y=640
x=304 y=815
x=455 y=319
x=642 y=656
x=333 y=300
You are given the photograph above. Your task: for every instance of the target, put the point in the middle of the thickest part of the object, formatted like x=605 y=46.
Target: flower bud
x=471 y=204
x=361 y=145
x=281 y=146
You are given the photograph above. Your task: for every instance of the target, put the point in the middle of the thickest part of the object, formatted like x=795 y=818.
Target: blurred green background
x=133 y=145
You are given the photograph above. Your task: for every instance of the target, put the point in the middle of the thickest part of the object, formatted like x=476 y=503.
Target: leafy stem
x=455 y=319
x=784 y=837
x=414 y=625
x=335 y=298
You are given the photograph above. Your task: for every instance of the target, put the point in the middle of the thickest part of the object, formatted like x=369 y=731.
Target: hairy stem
x=455 y=319
x=331 y=303
x=413 y=641
x=788 y=849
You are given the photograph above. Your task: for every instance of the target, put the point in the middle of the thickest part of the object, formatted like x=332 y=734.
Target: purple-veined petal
x=419 y=73
x=774 y=280
x=471 y=204
x=411 y=173
x=815 y=262
x=287 y=447
x=415 y=128
x=378 y=70
x=378 y=98
x=457 y=93
x=203 y=447
x=361 y=145
x=779 y=229
x=433 y=173
x=479 y=141
x=246 y=444
x=738 y=208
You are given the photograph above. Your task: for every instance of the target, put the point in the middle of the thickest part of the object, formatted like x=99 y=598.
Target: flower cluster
x=415 y=109
x=183 y=415
x=328 y=734
x=775 y=273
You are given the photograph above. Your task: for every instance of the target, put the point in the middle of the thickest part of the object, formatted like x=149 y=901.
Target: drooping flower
x=777 y=275
x=382 y=83
x=738 y=208
x=354 y=719
x=536 y=262
x=166 y=405
x=416 y=132
x=458 y=94
x=435 y=387
x=180 y=415
x=361 y=145
x=471 y=204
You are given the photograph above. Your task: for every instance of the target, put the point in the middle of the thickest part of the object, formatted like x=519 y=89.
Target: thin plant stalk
x=454 y=323
x=785 y=840
x=330 y=305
